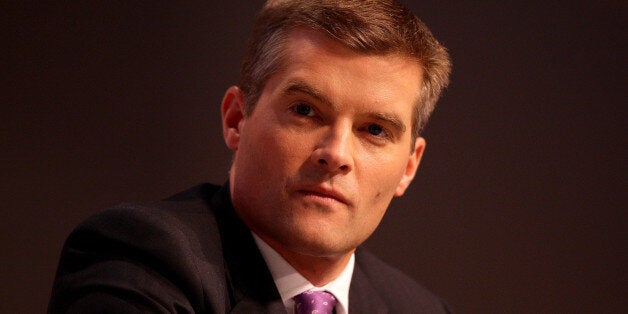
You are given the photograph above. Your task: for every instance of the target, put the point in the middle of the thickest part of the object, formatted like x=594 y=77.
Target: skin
x=325 y=150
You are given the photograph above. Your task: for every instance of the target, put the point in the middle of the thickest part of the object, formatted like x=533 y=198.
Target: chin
x=327 y=245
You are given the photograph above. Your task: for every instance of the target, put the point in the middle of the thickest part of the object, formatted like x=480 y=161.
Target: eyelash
x=296 y=107
x=384 y=135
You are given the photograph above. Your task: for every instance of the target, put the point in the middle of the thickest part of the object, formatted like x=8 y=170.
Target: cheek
x=275 y=151
x=383 y=176
x=287 y=152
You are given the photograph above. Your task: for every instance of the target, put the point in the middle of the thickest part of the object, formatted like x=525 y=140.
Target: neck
x=318 y=270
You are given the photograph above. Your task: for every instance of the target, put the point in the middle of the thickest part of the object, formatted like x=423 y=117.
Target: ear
x=232 y=109
x=411 y=166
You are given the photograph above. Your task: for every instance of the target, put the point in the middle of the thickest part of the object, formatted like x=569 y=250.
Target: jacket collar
x=251 y=286
x=363 y=298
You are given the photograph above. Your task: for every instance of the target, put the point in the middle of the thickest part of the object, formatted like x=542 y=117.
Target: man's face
x=326 y=148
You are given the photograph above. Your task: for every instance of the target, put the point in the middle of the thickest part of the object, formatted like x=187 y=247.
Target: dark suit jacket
x=192 y=254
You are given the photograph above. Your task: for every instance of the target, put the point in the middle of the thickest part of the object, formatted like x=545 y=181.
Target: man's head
x=322 y=124
x=365 y=26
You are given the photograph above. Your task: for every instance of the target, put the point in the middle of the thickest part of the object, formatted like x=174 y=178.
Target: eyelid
x=386 y=134
x=313 y=111
x=383 y=129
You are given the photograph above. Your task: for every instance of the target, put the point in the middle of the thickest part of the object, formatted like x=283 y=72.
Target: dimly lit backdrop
x=519 y=205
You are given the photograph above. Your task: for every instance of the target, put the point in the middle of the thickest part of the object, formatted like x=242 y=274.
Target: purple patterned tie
x=311 y=302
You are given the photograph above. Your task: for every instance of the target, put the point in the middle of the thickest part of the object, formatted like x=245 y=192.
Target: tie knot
x=314 y=302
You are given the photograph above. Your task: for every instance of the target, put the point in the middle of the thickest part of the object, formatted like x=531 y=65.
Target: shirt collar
x=290 y=283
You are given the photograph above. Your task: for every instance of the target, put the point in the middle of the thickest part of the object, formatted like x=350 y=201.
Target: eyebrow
x=298 y=86
x=303 y=88
x=391 y=119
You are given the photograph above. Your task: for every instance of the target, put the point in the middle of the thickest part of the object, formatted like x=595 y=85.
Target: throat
x=317 y=270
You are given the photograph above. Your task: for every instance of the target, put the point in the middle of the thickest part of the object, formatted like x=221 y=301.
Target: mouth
x=324 y=195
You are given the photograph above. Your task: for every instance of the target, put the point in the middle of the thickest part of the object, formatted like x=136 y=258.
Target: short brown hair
x=365 y=26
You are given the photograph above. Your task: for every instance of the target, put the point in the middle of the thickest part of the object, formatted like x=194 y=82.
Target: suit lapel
x=252 y=289
x=363 y=298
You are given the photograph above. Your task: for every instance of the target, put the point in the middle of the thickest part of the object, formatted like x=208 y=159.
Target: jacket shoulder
x=155 y=257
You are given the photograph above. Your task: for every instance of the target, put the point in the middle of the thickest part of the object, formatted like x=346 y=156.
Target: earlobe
x=411 y=167
x=232 y=109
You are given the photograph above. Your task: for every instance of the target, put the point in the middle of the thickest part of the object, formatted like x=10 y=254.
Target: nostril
x=322 y=161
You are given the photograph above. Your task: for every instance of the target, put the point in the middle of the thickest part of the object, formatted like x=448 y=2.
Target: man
x=325 y=129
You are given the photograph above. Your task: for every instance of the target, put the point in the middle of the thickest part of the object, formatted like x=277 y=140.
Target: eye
x=375 y=129
x=303 y=109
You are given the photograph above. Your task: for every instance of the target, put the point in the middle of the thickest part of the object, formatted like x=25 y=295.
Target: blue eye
x=375 y=129
x=303 y=109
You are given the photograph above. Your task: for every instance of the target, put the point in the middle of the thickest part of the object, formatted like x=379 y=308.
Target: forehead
x=303 y=42
x=369 y=78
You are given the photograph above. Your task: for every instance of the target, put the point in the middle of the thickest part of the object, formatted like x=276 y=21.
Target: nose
x=334 y=151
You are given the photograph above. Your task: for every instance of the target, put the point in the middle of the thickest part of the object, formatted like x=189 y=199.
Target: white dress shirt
x=290 y=283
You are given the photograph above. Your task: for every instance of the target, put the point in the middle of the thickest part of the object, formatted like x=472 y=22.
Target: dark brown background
x=519 y=205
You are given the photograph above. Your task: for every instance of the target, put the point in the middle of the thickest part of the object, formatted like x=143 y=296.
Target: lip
x=321 y=191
